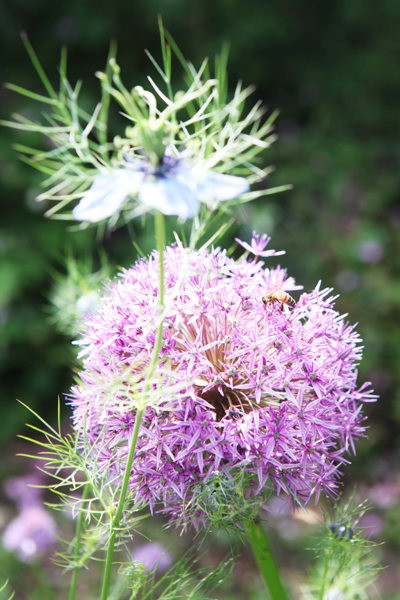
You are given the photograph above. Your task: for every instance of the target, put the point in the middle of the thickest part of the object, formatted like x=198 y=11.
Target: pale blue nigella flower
x=170 y=187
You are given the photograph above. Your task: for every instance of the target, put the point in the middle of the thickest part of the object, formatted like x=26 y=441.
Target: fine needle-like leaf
x=105 y=97
x=36 y=63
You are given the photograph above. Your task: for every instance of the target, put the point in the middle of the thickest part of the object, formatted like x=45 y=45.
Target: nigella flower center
x=168 y=165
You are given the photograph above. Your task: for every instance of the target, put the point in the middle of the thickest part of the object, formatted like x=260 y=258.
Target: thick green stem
x=160 y=235
x=78 y=538
x=265 y=561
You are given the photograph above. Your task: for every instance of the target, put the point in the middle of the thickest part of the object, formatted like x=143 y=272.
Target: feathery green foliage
x=213 y=130
x=346 y=566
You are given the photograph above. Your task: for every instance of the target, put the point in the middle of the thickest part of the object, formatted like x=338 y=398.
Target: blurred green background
x=333 y=70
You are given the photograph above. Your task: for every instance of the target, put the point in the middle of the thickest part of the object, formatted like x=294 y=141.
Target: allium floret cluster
x=267 y=393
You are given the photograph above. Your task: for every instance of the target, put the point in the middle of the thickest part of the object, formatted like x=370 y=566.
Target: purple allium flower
x=22 y=490
x=266 y=394
x=154 y=556
x=30 y=534
x=370 y=251
x=372 y=523
x=33 y=530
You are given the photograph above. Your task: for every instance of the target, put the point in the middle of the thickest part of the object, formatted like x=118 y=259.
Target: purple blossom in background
x=267 y=391
x=30 y=534
x=372 y=523
x=154 y=556
x=22 y=491
x=370 y=251
x=33 y=531
x=385 y=494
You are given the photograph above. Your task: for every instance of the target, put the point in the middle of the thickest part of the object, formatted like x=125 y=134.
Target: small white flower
x=218 y=186
x=169 y=196
x=106 y=195
x=171 y=188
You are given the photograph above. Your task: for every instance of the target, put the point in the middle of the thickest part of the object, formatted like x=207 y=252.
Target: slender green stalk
x=265 y=561
x=121 y=503
x=160 y=235
x=327 y=559
x=38 y=66
x=105 y=96
x=78 y=538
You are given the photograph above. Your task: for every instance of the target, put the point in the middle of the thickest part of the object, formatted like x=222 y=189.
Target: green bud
x=100 y=75
x=115 y=67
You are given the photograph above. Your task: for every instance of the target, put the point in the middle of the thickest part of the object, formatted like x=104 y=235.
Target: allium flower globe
x=266 y=392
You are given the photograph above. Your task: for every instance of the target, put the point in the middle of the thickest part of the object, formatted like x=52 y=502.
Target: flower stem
x=160 y=236
x=78 y=538
x=265 y=561
x=327 y=559
x=121 y=503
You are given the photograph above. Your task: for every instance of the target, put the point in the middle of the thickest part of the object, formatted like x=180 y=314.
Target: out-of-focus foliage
x=333 y=70
x=76 y=293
